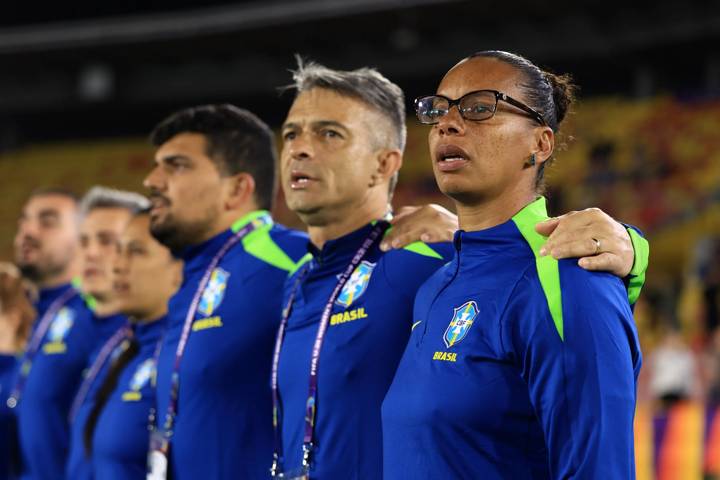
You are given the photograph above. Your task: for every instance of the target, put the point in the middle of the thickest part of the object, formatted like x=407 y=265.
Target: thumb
x=605 y=262
x=547 y=227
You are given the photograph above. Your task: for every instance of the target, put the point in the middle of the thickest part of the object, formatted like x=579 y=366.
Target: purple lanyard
x=190 y=317
x=310 y=411
x=110 y=346
x=34 y=344
x=156 y=356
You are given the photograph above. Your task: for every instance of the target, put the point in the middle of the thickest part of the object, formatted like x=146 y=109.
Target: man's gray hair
x=105 y=197
x=365 y=84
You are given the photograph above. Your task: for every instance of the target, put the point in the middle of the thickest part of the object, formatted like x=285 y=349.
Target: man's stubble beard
x=38 y=275
x=30 y=272
x=177 y=236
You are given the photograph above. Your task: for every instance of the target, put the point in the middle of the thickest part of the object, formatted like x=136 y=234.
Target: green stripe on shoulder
x=421 y=248
x=260 y=245
x=640 y=265
x=547 y=267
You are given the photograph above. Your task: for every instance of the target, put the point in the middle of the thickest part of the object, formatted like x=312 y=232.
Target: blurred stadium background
x=81 y=85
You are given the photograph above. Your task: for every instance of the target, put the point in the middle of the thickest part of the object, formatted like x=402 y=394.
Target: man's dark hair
x=237 y=141
x=59 y=191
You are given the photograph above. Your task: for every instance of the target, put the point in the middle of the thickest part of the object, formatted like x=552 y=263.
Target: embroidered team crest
x=143 y=374
x=213 y=295
x=61 y=325
x=356 y=284
x=462 y=320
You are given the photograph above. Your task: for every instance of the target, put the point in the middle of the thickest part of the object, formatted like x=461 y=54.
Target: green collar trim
x=87 y=298
x=241 y=222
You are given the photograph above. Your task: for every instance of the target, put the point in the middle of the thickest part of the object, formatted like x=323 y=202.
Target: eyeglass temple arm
x=522 y=107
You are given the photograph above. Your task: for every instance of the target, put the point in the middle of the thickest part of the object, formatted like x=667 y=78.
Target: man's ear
x=389 y=162
x=240 y=191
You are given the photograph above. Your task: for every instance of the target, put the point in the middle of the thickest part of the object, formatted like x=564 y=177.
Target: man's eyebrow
x=173 y=158
x=328 y=123
x=107 y=234
x=316 y=124
x=48 y=213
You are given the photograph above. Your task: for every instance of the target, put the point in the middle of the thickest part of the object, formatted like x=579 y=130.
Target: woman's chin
x=458 y=189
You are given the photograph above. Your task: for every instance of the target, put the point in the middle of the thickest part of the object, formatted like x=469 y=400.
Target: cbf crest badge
x=214 y=292
x=143 y=374
x=462 y=320
x=356 y=284
x=61 y=325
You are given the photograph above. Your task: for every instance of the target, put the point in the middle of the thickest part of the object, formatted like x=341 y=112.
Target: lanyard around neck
x=372 y=239
x=35 y=342
x=171 y=412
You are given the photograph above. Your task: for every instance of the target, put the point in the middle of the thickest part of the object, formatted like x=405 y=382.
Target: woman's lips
x=450 y=158
x=121 y=287
x=451 y=164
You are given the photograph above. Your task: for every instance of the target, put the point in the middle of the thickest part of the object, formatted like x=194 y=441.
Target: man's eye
x=176 y=165
x=290 y=135
x=48 y=222
x=106 y=241
x=327 y=133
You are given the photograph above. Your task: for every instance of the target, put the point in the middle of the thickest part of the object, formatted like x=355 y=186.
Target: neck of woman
x=490 y=212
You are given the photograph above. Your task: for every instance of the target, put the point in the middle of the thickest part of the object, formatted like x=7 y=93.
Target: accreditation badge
x=158 y=457
x=300 y=474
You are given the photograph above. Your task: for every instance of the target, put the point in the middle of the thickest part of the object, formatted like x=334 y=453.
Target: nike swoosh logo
x=415 y=325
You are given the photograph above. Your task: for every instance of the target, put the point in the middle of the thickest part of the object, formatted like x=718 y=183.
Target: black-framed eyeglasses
x=477 y=105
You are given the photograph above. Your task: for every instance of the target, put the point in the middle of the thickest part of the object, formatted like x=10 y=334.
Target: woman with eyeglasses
x=519 y=366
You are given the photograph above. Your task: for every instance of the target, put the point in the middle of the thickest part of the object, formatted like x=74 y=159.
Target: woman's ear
x=544 y=144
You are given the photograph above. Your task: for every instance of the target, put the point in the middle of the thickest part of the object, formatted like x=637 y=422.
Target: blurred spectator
x=673 y=370
x=601 y=171
x=711 y=366
x=710 y=276
x=16 y=315
x=16 y=312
